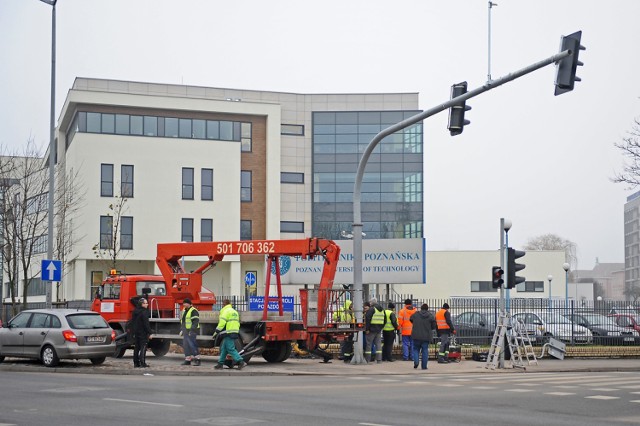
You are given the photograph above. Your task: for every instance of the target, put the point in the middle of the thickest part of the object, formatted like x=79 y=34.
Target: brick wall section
x=256 y=210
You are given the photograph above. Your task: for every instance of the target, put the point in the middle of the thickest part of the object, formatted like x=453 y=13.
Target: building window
x=286 y=177
x=171 y=127
x=96 y=281
x=108 y=123
x=482 y=287
x=185 y=128
x=292 y=129
x=187 y=230
x=37 y=287
x=126 y=233
x=106 y=232
x=150 y=126
x=106 y=180
x=126 y=184
x=245 y=230
x=245 y=137
x=206 y=229
x=93 y=122
x=245 y=185
x=297 y=227
x=530 y=287
x=187 y=183
x=39 y=203
x=122 y=124
x=206 y=189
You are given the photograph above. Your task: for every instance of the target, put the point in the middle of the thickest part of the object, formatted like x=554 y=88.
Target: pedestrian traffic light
x=513 y=267
x=496 y=277
x=566 y=67
x=456 y=112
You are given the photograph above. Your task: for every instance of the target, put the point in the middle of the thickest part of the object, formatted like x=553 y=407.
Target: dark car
x=605 y=331
x=53 y=334
x=475 y=327
x=628 y=321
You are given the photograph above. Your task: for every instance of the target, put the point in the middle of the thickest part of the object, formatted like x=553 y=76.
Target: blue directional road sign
x=250 y=278
x=51 y=270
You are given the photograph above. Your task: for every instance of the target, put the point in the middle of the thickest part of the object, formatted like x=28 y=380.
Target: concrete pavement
x=170 y=365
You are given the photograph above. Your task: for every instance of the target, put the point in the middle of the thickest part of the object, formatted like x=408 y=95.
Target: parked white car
x=544 y=325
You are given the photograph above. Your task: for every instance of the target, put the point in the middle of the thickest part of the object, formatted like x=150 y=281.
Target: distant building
x=605 y=279
x=632 y=241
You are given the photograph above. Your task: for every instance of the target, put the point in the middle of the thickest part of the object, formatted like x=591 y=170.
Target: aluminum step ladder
x=497 y=342
x=519 y=339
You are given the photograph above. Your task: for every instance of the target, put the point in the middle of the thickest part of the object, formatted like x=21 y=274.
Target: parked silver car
x=54 y=334
x=544 y=325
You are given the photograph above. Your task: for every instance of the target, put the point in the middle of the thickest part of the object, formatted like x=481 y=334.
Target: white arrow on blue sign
x=250 y=278
x=51 y=270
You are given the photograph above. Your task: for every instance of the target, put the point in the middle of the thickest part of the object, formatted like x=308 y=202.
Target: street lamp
x=52 y=146
x=566 y=267
x=550 y=278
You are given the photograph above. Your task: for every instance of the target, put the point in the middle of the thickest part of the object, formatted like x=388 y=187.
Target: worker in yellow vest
x=228 y=327
x=389 y=332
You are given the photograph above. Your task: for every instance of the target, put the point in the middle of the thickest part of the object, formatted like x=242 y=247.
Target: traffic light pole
x=503 y=265
x=356 y=227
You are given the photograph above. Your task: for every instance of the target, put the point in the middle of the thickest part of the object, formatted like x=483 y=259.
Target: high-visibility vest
x=229 y=320
x=441 y=322
x=344 y=314
x=187 y=318
x=388 y=326
x=378 y=317
x=404 y=320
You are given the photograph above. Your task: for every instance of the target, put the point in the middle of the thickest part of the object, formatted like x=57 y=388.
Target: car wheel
x=98 y=361
x=119 y=353
x=159 y=347
x=49 y=356
x=1 y=358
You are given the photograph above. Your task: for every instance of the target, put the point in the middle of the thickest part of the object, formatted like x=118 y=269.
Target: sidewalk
x=170 y=365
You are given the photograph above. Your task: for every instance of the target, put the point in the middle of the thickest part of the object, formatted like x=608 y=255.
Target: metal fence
x=614 y=323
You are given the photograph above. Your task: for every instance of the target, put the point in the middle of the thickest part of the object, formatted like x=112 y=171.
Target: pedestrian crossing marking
x=518 y=390
x=566 y=386
x=605 y=389
x=449 y=385
x=636 y=400
x=484 y=387
x=560 y=393
x=604 y=397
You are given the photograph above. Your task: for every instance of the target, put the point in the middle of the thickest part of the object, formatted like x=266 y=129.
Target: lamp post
x=52 y=145
x=550 y=278
x=566 y=267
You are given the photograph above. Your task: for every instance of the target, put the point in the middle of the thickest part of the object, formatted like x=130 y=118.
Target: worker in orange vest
x=445 y=329
x=406 y=326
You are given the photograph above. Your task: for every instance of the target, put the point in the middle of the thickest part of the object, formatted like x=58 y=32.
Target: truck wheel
x=159 y=347
x=277 y=351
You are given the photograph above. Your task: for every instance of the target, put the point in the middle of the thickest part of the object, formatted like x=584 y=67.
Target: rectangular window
x=206 y=190
x=126 y=233
x=150 y=126
x=171 y=127
x=245 y=230
x=482 y=287
x=40 y=244
x=187 y=183
x=126 y=184
x=297 y=227
x=93 y=122
x=245 y=140
x=96 y=280
x=185 y=128
x=530 y=287
x=106 y=180
x=136 y=125
x=122 y=124
x=187 y=230
x=199 y=130
x=108 y=123
x=206 y=229
x=245 y=185
x=286 y=177
x=213 y=129
x=106 y=232
x=226 y=131
x=292 y=129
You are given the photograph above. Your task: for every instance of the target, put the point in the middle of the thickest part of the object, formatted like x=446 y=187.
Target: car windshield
x=596 y=319
x=86 y=321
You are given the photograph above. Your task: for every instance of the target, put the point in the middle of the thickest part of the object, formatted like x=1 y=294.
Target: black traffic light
x=496 y=277
x=513 y=267
x=456 y=112
x=566 y=67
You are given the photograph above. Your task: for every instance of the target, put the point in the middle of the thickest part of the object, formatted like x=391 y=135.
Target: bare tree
x=632 y=292
x=109 y=248
x=630 y=147
x=554 y=242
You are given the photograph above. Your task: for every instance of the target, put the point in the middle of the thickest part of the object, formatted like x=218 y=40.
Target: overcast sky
x=544 y=162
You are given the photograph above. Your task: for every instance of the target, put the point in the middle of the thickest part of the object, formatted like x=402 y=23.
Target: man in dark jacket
x=141 y=332
x=374 y=321
x=389 y=332
x=424 y=323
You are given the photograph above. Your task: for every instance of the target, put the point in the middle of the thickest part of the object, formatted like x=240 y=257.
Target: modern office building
x=632 y=242
x=169 y=163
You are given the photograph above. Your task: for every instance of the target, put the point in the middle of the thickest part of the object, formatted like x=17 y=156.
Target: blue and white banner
x=256 y=303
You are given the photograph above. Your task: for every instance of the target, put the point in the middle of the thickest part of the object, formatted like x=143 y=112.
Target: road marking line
x=518 y=390
x=602 y=397
x=604 y=389
x=484 y=387
x=372 y=424
x=567 y=387
x=449 y=385
x=560 y=393
x=141 y=402
x=635 y=400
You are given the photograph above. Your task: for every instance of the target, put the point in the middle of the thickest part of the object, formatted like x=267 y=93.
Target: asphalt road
x=43 y=398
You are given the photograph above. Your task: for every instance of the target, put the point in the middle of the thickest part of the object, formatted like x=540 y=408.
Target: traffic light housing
x=513 y=267
x=496 y=277
x=566 y=68
x=456 y=112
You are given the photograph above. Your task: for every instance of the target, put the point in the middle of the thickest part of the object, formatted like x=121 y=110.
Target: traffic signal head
x=513 y=267
x=496 y=277
x=566 y=67
x=456 y=112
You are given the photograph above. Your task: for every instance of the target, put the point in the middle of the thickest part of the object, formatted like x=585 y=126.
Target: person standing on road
x=373 y=323
x=345 y=315
x=365 y=308
x=141 y=333
x=228 y=327
x=190 y=324
x=405 y=324
x=389 y=332
x=445 y=329
x=424 y=323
